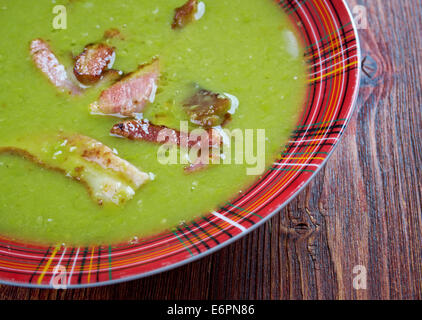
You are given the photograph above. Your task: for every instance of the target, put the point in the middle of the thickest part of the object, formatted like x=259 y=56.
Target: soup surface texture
x=247 y=48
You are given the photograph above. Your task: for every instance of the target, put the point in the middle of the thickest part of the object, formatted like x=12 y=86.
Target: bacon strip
x=109 y=179
x=131 y=94
x=143 y=130
x=47 y=62
x=207 y=109
x=93 y=62
x=185 y=14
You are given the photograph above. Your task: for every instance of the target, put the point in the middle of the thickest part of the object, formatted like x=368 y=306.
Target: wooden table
x=363 y=209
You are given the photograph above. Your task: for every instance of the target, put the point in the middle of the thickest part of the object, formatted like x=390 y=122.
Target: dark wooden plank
x=363 y=208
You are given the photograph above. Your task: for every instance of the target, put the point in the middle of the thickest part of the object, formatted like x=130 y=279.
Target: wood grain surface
x=363 y=208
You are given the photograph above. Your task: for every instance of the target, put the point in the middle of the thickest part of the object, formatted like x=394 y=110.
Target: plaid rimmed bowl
x=333 y=53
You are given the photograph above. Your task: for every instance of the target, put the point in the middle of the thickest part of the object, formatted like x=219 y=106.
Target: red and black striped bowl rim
x=332 y=50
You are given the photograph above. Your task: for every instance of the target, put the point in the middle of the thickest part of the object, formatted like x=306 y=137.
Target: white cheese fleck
x=234 y=103
x=57 y=154
x=201 y=11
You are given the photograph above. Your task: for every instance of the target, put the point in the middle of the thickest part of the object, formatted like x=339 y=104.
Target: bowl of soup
x=137 y=136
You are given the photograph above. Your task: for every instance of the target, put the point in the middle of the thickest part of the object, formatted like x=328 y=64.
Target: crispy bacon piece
x=47 y=62
x=108 y=178
x=93 y=62
x=143 y=130
x=185 y=14
x=131 y=94
x=207 y=109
